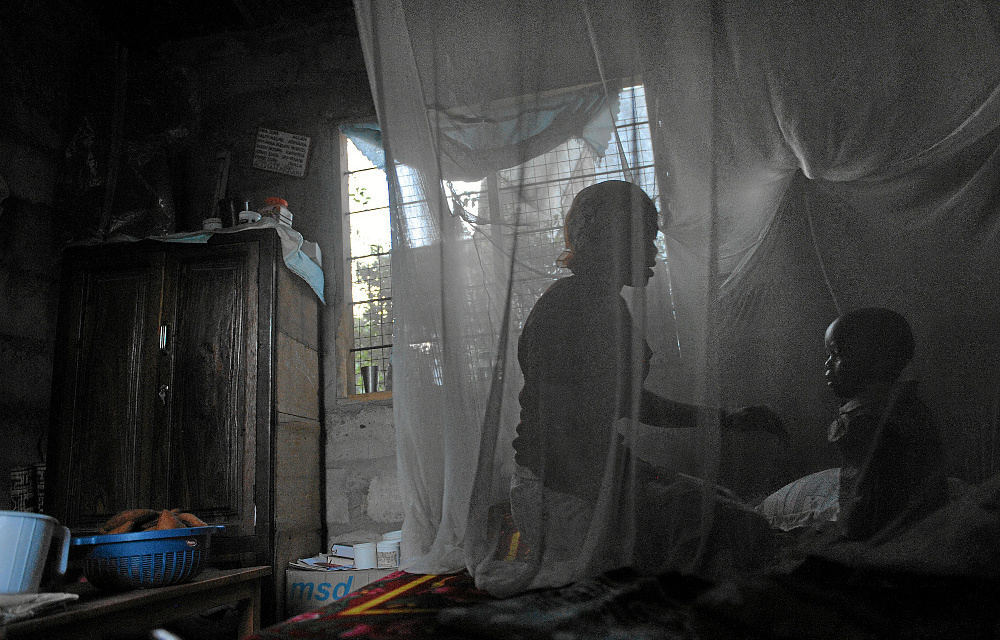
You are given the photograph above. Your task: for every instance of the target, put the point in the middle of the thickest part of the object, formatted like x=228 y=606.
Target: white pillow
x=809 y=499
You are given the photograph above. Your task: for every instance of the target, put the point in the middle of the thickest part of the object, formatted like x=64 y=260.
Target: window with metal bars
x=368 y=365
x=540 y=190
x=537 y=194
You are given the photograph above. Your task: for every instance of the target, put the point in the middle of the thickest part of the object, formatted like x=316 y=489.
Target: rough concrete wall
x=28 y=301
x=361 y=485
x=38 y=47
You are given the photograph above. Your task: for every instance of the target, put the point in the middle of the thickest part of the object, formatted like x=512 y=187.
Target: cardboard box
x=306 y=590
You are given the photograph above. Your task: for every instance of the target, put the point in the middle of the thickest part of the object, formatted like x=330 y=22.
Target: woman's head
x=610 y=231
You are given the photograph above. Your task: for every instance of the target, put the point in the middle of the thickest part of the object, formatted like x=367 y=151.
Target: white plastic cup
x=365 y=556
x=24 y=548
x=387 y=552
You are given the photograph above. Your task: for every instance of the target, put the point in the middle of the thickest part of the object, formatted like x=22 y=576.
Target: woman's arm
x=658 y=411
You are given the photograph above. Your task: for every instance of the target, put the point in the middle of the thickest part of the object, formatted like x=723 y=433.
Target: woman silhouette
x=581 y=361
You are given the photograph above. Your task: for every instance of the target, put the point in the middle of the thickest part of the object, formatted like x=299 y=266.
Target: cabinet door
x=213 y=356
x=107 y=448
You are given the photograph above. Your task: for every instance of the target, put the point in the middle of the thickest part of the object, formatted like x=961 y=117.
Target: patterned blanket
x=939 y=580
x=818 y=601
x=400 y=605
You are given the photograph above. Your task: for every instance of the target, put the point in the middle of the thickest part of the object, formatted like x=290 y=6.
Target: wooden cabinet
x=187 y=375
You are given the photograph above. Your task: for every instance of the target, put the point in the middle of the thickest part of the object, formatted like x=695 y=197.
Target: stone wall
x=361 y=485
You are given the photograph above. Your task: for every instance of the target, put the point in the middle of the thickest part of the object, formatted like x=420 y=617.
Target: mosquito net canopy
x=802 y=160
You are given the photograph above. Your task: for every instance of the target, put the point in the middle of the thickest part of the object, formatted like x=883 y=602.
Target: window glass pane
x=370 y=232
x=365 y=183
x=370 y=269
x=538 y=191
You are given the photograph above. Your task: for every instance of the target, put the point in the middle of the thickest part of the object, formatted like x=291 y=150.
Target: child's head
x=866 y=347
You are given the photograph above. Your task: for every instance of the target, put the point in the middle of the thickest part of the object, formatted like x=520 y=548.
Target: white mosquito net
x=806 y=159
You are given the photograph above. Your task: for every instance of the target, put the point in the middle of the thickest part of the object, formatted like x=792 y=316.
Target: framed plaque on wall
x=281 y=152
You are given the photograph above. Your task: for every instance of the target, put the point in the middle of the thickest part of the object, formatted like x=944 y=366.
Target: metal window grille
x=541 y=190
x=371 y=275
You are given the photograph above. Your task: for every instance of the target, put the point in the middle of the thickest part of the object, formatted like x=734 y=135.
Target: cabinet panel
x=296 y=459
x=192 y=422
x=296 y=379
x=214 y=378
x=297 y=310
x=109 y=413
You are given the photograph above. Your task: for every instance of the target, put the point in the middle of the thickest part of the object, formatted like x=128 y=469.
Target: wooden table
x=100 y=613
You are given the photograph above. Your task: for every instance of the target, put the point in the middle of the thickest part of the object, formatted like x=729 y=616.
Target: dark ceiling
x=147 y=24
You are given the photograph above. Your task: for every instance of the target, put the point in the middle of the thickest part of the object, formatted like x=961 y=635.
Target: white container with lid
x=249 y=216
x=387 y=552
x=365 y=555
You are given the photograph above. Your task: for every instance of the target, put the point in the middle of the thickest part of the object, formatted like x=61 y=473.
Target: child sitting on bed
x=892 y=470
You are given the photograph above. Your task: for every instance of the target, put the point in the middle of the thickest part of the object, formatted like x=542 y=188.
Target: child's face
x=849 y=369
